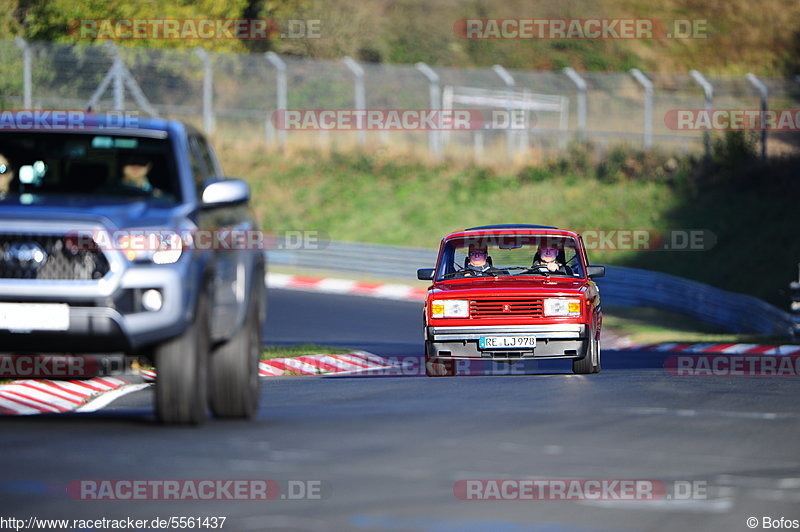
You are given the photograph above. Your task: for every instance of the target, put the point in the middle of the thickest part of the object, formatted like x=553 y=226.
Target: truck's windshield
x=87 y=165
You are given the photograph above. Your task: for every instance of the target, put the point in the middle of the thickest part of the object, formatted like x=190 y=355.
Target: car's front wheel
x=590 y=363
x=181 y=396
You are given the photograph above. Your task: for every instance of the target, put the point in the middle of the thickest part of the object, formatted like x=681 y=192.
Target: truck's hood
x=505 y=286
x=116 y=213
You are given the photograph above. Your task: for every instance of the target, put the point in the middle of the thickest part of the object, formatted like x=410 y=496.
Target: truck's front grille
x=49 y=257
x=506 y=307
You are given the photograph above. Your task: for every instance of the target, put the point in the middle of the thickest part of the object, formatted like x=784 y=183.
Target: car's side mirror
x=595 y=272
x=425 y=274
x=225 y=192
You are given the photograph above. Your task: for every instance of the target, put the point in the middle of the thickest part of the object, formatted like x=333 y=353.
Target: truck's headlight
x=159 y=247
x=450 y=308
x=562 y=307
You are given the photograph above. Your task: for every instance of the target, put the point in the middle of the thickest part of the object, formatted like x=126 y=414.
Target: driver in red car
x=478 y=261
x=547 y=257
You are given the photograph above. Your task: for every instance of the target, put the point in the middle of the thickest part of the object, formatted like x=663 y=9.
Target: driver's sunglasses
x=3 y=169
x=477 y=253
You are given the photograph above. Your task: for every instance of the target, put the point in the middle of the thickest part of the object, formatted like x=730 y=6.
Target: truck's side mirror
x=425 y=274
x=225 y=192
x=595 y=272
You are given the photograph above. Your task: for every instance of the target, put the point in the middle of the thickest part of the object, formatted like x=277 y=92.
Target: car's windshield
x=510 y=255
x=87 y=165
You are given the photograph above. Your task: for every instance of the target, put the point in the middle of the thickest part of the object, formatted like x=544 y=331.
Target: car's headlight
x=158 y=247
x=450 y=308
x=562 y=307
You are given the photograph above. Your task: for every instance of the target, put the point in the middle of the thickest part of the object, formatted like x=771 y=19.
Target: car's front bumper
x=552 y=341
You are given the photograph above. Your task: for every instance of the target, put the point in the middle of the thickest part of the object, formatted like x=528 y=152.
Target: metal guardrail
x=623 y=286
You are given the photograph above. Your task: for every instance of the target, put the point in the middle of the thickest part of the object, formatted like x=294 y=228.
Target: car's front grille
x=49 y=257
x=506 y=307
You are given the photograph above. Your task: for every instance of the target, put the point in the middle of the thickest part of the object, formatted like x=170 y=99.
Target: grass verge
x=291 y=351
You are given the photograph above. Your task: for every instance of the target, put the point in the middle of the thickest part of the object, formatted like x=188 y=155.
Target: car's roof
x=510 y=226
x=77 y=121
x=515 y=229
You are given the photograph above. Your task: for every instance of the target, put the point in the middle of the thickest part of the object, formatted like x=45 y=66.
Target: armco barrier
x=621 y=286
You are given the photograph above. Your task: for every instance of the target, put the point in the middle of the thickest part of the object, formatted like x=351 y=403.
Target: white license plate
x=507 y=342
x=34 y=316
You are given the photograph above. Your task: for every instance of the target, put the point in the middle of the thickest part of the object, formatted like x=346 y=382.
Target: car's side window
x=207 y=156
x=573 y=260
x=200 y=169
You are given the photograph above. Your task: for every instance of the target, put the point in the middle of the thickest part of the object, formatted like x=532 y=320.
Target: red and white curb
x=29 y=396
x=311 y=365
x=345 y=286
x=716 y=348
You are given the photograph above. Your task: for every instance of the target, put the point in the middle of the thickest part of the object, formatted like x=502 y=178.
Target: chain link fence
x=235 y=95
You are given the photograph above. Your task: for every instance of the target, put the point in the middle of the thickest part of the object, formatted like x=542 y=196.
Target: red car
x=512 y=292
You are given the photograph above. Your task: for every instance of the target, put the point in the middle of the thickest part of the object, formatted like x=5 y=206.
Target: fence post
x=435 y=93
x=580 y=84
x=117 y=78
x=208 y=90
x=510 y=84
x=358 y=73
x=708 y=91
x=648 y=105
x=764 y=92
x=280 y=87
x=27 y=98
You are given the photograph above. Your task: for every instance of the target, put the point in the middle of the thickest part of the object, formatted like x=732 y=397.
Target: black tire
x=233 y=368
x=589 y=363
x=181 y=396
x=435 y=366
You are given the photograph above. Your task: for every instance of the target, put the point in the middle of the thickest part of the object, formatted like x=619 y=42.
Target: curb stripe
x=42 y=387
x=37 y=396
x=33 y=403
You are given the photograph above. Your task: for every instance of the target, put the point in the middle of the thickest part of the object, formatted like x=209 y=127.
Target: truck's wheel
x=182 y=365
x=233 y=370
x=589 y=363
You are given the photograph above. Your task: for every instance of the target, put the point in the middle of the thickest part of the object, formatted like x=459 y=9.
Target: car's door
x=229 y=253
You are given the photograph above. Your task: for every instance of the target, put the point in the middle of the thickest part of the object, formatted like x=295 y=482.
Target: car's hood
x=116 y=213
x=507 y=286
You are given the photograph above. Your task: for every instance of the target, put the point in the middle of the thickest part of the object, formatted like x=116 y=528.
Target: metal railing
x=622 y=286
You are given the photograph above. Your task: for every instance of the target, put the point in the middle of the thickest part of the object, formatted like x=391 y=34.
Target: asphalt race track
x=384 y=453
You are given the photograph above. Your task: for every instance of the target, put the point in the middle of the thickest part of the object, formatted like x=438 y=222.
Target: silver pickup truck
x=115 y=242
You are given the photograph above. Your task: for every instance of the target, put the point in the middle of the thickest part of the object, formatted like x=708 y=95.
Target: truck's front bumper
x=100 y=323
x=552 y=341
